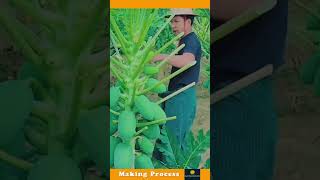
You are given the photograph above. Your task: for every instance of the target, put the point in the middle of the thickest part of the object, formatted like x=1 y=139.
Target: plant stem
x=176 y=93
x=169 y=77
x=157 y=121
x=114 y=112
x=141 y=130
x=170 y=55
x=169 y=43
x=14 y=161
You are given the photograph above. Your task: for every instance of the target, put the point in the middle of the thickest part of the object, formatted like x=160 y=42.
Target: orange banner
x=154 y=174
x=159 y=4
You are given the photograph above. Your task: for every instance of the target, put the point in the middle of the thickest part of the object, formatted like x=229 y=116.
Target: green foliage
x=309 y=72
x=164 y=146
x=93 y=132
x=188 y=157
x=202 y=29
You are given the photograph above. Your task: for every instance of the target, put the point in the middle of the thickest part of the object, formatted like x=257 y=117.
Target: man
x=245 y=124
x=183 y=105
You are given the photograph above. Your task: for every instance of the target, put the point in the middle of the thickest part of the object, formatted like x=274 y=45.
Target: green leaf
x=158 y=164
x=93 y=132
x=190 y=156
x=309 y=69
x=15 y=106
x=164 y=147
x=313 y=23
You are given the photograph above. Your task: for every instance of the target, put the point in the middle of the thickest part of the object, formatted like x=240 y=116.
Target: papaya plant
x=136 y=119
x=57 y=107
x=309 y=71
x=202 y=29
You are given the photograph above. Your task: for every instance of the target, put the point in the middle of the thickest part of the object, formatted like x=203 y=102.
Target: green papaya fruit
x=123 y=156
x=151 y=70
x=145 y=145
x=143 y=162
x=158 y=112
x=113 y=144
x=153 y=132
x=161 y=88
x=142 y=103
x=127 y=124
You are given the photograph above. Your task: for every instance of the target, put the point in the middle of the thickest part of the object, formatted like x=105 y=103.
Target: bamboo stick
x=242 y=83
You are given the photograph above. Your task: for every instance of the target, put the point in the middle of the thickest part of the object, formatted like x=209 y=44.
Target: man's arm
x=227 y=9
x=178 y=60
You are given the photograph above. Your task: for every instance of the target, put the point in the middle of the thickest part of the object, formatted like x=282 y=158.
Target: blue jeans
x=183 y=106
x=245 y=134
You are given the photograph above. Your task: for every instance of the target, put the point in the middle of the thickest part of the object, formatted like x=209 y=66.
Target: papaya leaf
x=93 y=133
x=158 y=164
x=164 y=147
x=15 y=106
x=189 y=157
x=313 y=23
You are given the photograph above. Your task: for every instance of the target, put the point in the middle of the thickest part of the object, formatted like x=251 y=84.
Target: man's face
x=178 y=25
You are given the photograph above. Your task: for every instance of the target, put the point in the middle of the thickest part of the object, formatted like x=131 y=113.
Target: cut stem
x=114 y=112
x=169 y=77
x=176 y=93
x=156 y=121
x=170 y=56
x=141 y=130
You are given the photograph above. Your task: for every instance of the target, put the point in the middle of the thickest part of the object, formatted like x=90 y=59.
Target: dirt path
x=298 y=109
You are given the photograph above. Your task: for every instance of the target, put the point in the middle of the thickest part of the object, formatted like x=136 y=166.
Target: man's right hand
x=310 y=72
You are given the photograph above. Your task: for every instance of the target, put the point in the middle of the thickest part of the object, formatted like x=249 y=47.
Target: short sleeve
x=192 y=45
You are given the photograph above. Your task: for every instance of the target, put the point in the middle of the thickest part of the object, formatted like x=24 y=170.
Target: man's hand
x=159 y=57
x=310 y=72
x=177 y=61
